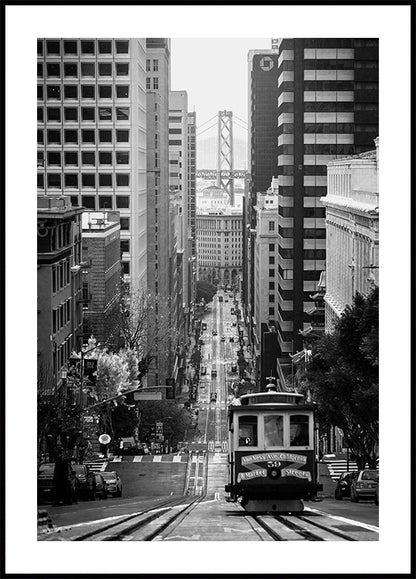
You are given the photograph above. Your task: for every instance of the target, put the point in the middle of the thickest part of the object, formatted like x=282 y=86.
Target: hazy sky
x=214 y=73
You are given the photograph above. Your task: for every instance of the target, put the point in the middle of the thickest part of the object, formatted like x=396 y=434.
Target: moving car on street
x=344 y=485
x=214 y=332
x=114 y=484
x=364 y=485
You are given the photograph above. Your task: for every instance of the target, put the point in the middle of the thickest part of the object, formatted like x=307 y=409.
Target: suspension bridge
x=225 y=173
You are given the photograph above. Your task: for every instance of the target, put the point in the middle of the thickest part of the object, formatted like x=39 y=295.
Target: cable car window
x=273 y=430
x=247 y=431
x=299 y=430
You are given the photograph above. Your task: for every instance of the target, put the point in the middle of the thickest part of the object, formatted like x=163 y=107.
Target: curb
x=45 y=524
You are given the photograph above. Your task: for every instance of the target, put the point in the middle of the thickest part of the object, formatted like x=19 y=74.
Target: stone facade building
x=59 y=287
x=352 y=231
x=219 y=243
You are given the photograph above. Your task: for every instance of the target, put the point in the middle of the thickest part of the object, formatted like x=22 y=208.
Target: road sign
x=104 y=439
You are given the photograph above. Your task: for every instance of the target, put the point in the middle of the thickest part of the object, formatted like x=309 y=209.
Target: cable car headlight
x=273 y=469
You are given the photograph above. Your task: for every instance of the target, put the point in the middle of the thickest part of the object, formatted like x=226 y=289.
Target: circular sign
x=104 y=439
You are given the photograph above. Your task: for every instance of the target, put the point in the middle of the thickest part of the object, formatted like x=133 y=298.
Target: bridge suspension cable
x=211 y=119
x=242 y=120
x=205 y=130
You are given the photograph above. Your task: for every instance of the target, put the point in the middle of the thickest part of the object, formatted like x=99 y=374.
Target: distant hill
x=207 y=152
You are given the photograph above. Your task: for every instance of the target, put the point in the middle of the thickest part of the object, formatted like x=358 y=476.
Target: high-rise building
x=92 y=133
x=327 y=108
x=158 y=236
x=101 y=273
x=179 y=181
x=193 y=265
x=262 y=156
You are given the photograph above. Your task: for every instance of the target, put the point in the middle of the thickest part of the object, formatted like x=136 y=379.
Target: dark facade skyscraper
x=262 y=152
x=327 y=108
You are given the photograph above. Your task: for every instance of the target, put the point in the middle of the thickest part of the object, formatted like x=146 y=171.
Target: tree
x=342 y=377
x=175 y=419
x=205 y=290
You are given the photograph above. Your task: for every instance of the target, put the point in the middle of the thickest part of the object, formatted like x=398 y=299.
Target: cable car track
x=288 y=529
x=123 y=528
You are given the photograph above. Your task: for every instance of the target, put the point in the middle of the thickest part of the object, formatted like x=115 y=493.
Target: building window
x=71 y=180
x=70 y=114
x=155 y=66
x=104 y=46
x=271 y=259
x=40 y=159
x=105 y=157
x=53 y=114
x=125 y=265
x=88 y=179
x=40 y=91
x=122 y=68
x=54 y=137
x=271 y=311
x=271 y=225
x=124 y=223
x=71 y=158
x=88 y=201
x=70 y=92
x=271 y=246
x=271 y=272
x=122 y=179
x=74 y=200
x=54 y=158
x=122 y=157
x=40 y=69
x=53 y=47
x=122 y=46
x=40 y=48
x=271 y=285
x=53 y=69
x=87 y=47
x=88 y=158
x=53 y=92
x=104 y=91
x=71 y=136
x=122 y=91
x=105 y=180
x=88 y=114
x=122 y=201
x=88 y=69
x=271 y=298
x=147 y=84
x=88 y=91
x=54 y=180
x=125 y=245
x=105 y=113
x=105 y=135
x=70 y=47
x=105 y=202
x=155 y=83
x=104 y=69
x=88 y=136
x=41 y=181
x=70 y=69
x=122 y=136
x=40 y=137
x=148 y=65
x=122 y=113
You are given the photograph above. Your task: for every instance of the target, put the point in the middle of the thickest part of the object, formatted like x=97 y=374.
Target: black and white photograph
x=207 y=305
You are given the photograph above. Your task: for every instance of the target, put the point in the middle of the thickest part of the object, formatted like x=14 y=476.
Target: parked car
x=100 y=486
x=344 y=485
x=214 y=332
x=376 y=500
x=231 y=339
x=85 y=483
x=114 y=484
x=129 y=447
x=364 y=485
x=222 y=338
x=46 y=486
x=203 y=370
x=234 y=368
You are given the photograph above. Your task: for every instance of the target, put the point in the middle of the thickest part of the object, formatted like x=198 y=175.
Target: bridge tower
x=225 y=177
